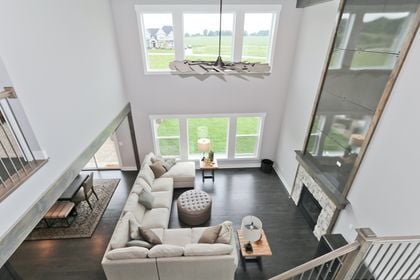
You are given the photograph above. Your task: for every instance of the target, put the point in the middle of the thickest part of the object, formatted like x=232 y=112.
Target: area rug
x=86 y=220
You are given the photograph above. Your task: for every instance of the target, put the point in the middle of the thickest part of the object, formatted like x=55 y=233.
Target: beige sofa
x=179 y=256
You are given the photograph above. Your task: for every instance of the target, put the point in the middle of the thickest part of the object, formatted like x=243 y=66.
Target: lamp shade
x=251 y=228
x=203 y=145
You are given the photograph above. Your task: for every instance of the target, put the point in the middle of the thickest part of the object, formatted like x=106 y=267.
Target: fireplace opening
x=309 y=207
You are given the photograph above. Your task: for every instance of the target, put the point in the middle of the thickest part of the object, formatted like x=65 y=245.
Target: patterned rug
x=86 y=221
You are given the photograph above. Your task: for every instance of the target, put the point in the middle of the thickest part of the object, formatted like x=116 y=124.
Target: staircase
x=369 y=257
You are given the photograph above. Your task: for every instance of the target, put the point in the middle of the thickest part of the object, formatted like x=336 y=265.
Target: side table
x=205 y=167
x=260 y=248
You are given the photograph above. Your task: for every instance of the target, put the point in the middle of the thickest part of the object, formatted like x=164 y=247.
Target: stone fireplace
x=308 y=180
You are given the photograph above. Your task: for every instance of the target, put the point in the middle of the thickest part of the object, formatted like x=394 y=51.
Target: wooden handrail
x=318 y=261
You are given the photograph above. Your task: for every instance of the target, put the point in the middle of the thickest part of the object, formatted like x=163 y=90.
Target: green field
x=213 y=128
x=207 y=47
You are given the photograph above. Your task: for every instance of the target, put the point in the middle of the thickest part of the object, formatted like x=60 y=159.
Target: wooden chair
x=85 y=192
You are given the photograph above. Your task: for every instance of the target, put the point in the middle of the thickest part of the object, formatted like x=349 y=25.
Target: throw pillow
x=167 y=164
x=225 y=234
x=157 y=168
x=149 y=236
x=210 y=234
x=139 y=243
x=146 y=198
x=134 y=225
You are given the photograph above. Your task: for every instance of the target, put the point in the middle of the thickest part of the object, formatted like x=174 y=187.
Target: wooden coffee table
x=261 y=248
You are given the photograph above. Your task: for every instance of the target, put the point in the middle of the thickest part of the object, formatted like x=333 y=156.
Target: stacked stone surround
x=329 y=209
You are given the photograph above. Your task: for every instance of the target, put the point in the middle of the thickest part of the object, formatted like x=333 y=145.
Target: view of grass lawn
x=206 y=48
x=216 y=129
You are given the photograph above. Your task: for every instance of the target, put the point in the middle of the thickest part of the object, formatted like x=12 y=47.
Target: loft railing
x=17 y=161
x=368 y=258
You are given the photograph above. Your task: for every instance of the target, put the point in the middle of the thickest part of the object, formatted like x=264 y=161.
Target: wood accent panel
x=17 y=234
x=260 y=247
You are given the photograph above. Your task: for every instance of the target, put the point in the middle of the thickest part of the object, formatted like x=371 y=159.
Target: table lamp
x=251 y=230
x=203 y=145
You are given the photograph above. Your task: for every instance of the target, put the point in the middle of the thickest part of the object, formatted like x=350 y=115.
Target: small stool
x=60 y=210
x=194 y=207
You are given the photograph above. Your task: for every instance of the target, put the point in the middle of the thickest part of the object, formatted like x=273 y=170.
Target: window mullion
x=232 y=137
x=183 y=138
x=178 y=35
x=238 y=35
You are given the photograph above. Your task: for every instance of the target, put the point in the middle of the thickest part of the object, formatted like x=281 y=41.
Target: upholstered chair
x=85 y=192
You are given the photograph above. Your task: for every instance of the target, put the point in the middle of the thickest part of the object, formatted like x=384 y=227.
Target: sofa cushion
x=162 y=184
x=139 y=243
x=179 y=236
x=156 y=218
x=162 y=199
x=207 y=249
x=146 y=198
x=149 y=236
x=210 y=234
x=157 y=168
x=139 y=184
x=135 y=207
x=226 y=232
x=165 y=251
x=181 y=171
x=147 y=174
x=127 y=253
x=121 y=233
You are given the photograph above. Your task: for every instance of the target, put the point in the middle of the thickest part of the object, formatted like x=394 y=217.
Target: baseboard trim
x=129 y=168
x=282 y=179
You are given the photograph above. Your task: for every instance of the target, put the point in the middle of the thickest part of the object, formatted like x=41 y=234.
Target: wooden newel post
x=365 y=237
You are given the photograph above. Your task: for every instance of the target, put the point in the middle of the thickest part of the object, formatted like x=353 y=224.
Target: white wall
x=167 y=94
x=385 y=193
x=62 y=59
x=315 y=32
x=125 y=146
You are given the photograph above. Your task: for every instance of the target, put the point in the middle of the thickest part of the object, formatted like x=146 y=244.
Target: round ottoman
x=194 y=207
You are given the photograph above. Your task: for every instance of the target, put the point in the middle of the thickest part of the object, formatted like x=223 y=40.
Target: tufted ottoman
x=194 y=207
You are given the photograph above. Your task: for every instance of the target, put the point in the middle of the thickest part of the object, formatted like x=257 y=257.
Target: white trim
x=129 y=168
x=40 y=155
x=282 y=179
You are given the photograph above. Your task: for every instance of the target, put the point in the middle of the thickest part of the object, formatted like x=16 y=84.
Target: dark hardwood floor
x=235 y=192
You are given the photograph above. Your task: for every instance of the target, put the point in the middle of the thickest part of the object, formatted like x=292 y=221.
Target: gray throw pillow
x=210 y=235
x=167 y=164
x=146 y=198
x=157 y=168
x=139 y=243
x=149 y=236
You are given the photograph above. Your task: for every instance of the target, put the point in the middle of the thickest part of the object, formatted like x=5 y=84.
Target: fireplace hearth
x=309 y=207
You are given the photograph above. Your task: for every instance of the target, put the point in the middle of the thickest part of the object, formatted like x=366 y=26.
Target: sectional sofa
x=180 y=256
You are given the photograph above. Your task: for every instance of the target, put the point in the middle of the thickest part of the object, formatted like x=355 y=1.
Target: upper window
x=201 y=36
x=191 y=32
x=258 y=33
x=158 y=41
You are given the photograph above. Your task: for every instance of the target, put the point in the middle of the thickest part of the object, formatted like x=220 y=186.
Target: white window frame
x=156 y=138
x=178 y=12
x=258 y=135
x=231 y=134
